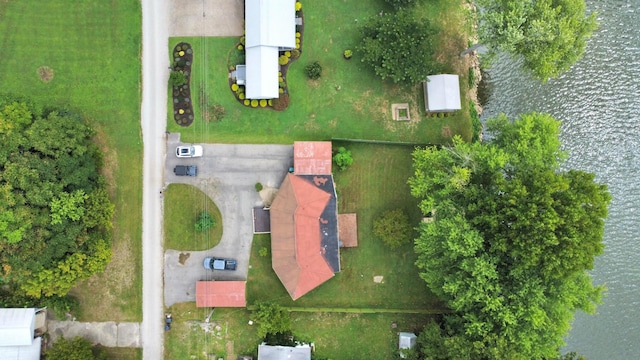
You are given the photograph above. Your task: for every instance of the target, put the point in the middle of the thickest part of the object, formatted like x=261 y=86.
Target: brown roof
x=221 y=294
x=295 y=236
x=348 y=229
x=312 y=157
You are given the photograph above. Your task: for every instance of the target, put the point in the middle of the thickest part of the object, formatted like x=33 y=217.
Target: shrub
x=217 y=112
x=298 y=34
x=246 y=102
x=271 y=318
x=240 y=47
x=205 y=222
x=313 y=70
x=393 y=228
x=281 y=103
x=235 y=87
x=254 y=103
x=398 y=4
x=241 y=96
x=270 y=102
x=263 y=252
x=242 y=39
x=259 y=187
x=263 y=103
x=298 y=6
x=287 y=54
x=343 y=158
x=283 y=60
x=348 y=54
x=177 y=78
x=295 y=53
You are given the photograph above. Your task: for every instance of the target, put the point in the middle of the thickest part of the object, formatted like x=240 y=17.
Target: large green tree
x=74 y=349
x=398 y=46
x=513 y=238
x=550 y=35
x=55 y=213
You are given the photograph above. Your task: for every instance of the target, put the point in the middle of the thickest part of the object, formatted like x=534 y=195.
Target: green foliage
x=393 y=228
x=55 y=213
x=217 y=111
x=295 y=53
x=283 y=60
x=313 y=70
x=512 y=241
x=348 y=54
x=399 y=4
x=398 y=46
x=271 y=319
x=550 y=35
x=258 y=187
x=205 y=222
x=263 y=252
x=177 y=78
x=475 y=121
x=343 y=158
x=74 y=349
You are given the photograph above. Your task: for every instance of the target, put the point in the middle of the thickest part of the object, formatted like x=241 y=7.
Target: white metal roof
x=269 y=352
x=270 y=23
x=262 y=73
x=442 y=93
x=407 y=340
x=17 y=326
x=30 y=352
x=269 y=26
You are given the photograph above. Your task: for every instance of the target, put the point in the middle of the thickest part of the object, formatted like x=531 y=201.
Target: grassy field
x=93 y=50
x=377 y=181
x=348 y=101
x=182 y=207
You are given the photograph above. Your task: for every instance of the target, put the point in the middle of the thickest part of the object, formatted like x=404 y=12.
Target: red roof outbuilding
x=221 y=294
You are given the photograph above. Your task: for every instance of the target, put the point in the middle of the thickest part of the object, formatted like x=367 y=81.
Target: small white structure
x=270 y=27
x=406 y=341
x=17 y=328
x=270 y=352
x=442 y=93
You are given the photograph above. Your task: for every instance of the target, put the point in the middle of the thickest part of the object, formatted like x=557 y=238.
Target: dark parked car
x=220 y=264
x=186 y=170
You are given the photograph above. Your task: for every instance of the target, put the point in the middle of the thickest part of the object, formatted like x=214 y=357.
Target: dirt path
x=155 y=75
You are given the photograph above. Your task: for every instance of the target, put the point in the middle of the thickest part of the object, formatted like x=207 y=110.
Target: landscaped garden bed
x=180 y=82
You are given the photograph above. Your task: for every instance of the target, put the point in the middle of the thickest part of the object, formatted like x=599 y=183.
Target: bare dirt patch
x=378 y=279
x=183 y=257
x=45 y=73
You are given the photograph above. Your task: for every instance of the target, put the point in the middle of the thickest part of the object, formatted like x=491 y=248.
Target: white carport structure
x=442 y=93
x=17 y=327
x=270 y=27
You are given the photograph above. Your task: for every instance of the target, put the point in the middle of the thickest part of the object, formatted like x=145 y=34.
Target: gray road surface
x=155 y=76
x=227 y=174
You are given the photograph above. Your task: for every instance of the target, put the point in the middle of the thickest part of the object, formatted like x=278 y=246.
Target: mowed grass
x=183 y=205
x=348 y=101
x=228 y=333
x=93 y=48
x=376 y=182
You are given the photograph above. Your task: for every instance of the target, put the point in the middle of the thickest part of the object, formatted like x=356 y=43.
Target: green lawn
x=377 y=181
x=348 y=101
x=93 y=48
x=182 y=207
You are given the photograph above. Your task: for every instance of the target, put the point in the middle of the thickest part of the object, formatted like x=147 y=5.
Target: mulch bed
x=182 y=105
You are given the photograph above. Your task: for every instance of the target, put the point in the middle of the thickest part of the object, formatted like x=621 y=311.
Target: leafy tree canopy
x=272 y=319
x=398 y=46
x=393 y=228
x=55 y=213
x=550 y=35
x=512 y=241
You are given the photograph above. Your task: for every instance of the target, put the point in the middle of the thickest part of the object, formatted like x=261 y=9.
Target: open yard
x=347 y=101
x=86 y=57
x=183 y=205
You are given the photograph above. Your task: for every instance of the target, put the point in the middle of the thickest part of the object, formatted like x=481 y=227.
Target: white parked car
x=189 y=151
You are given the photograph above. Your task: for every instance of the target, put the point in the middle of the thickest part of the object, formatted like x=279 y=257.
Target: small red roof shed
x=221 y=294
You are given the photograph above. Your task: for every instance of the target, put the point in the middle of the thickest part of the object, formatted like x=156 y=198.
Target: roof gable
x=442 y=93
x=17 y=326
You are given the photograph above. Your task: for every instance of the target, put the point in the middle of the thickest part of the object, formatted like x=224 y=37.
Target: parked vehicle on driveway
x=189 y=151
x=185 y=170
x=220 y=264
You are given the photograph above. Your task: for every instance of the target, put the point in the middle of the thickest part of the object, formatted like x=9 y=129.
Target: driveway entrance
x=206 y=18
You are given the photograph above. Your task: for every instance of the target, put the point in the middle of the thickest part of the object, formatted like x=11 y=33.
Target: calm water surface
x=598 y=102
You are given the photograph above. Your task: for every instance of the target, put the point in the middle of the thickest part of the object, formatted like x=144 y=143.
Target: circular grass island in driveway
x=183 y=206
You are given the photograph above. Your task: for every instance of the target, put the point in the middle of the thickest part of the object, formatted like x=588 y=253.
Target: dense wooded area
x=513 y=238
x=55 y=212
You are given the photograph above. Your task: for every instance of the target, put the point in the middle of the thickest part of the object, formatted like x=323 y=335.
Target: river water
x=598 y=102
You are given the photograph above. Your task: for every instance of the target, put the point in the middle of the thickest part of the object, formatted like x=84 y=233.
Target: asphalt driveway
x=227 y=173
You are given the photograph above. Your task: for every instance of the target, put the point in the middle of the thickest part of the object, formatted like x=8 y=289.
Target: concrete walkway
x=109 y=334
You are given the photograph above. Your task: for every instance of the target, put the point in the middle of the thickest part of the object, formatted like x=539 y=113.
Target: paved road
x=227 y=174
x=155 y=77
